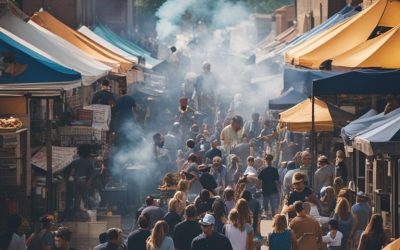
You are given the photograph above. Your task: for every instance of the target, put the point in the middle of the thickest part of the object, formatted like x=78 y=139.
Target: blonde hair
x=234 y=220
x=279 y=224
x=244 y=213
x=182 y=185
x=157 y=235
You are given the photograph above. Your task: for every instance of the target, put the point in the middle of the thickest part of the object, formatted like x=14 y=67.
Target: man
x=62 y=238
x=232 y=134
x=300 y=193
x=104 y=96
x=210 y=239
x=213 y=151
x=304 y=169
x=269 y=178
x=253 y=128
x=42 y=240
x=152 y=211
x=114 y=240
x=205 y=93
x=79 y=178
x=173 y=141
x=206 y=180
x=251 y=175
x=307 y=230
x=363 y=211
x=187 y=230
x=185 y=116
x=323 y=177
x=137 y=239
x=10 y=239
x=219 y=172
x=242 y=149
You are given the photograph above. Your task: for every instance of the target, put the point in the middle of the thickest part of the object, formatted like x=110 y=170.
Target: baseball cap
x=207 y=220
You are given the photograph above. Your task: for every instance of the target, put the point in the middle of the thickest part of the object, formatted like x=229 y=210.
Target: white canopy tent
x=55 y=48
x=87 y=32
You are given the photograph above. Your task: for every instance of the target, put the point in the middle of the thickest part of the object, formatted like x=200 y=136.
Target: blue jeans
x=273 y=200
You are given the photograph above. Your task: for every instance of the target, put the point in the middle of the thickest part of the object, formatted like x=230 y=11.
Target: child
x=334 y=237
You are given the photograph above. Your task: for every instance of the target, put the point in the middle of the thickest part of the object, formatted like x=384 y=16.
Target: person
x=158 y=239
x=10 y=240
x=347 y=222
x=304 y=169
x=219 y=212
x=219 y=172
x=185 y=231
x=327 y=202
x=323 y=177
x=62 y=238
x=104 y=96
x=363 y=211
x=137 y=239
x=281 y=237
x=229 y=198
x=173 y=141
x=210 y=239
x=152 y=211
x=373 y=238
x=172 y=217
x=114 y=242
x=232 y=134
x=81 y=171
x=270 y=180
x=125 y=107
x=206 y=180
x=185 y=116
x=239 y=232
x=307 y=229
x=334 y=237
x=203 y=202
x=255 y=208
x=103 y=238
x=42 y=240
x=253 y=128
x=340 y=166
x=213 y=151
x=300 y=193
x=251 y=175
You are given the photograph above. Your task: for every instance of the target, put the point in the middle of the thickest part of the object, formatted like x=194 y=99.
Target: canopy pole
x=395 y=198
x=49 y=174
x=313 y=138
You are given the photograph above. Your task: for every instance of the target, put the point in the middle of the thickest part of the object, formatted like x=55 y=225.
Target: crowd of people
x=226 y=176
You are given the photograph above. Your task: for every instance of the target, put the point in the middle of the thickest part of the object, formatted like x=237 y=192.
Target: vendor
x=104 y=96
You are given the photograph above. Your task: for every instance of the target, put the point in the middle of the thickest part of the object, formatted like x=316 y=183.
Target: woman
x=347 y=222
x=180 y=197
x=158 y=239
x=245 y=216
x=218 y=211
x=173 y=216
x=327 y=202
x=229 y=195
x=281 y=238
x=183 y=187
x=239 y=232
x=338 y=185
x=373 y=236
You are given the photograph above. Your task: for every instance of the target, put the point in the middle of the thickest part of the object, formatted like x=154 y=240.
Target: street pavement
x=265 y=228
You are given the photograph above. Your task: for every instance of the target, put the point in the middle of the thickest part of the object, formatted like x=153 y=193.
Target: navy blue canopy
x=359 y=82
x=287 y=100
x=301 y=79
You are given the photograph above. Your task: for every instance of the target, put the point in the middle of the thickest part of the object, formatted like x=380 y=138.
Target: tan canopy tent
x=382 y=52
x=345 y=35
x=87 y=45
x=299 y=117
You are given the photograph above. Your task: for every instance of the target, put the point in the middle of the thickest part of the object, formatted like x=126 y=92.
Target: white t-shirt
x=333 y=242
x=250 y=171
x=17 y=243
x=237 y=238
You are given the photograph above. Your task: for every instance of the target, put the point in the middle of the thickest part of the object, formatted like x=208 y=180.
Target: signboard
x=61 y=158
x=101 y=116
